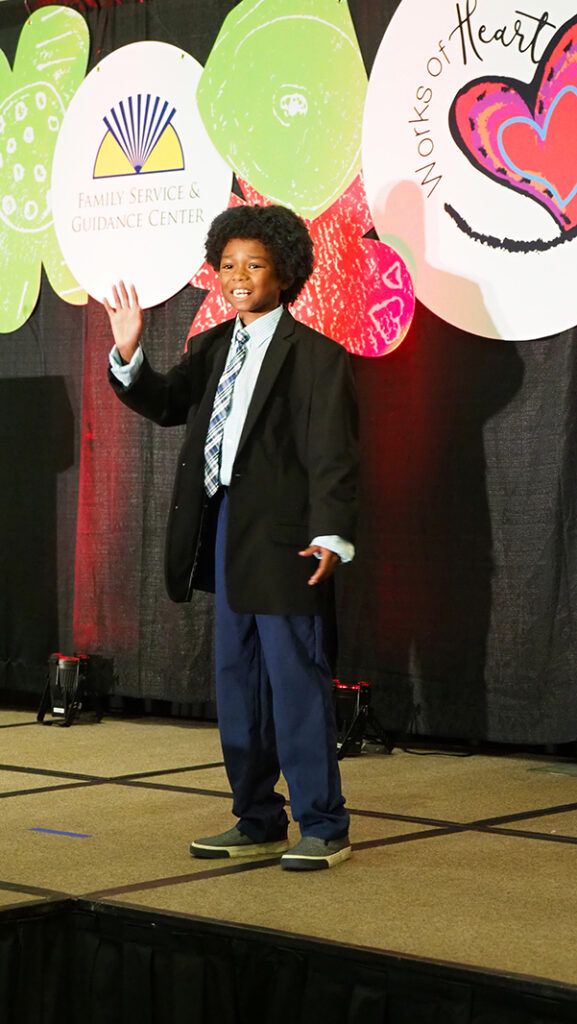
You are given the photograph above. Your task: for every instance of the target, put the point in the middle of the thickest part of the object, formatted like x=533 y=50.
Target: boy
x=266 y=478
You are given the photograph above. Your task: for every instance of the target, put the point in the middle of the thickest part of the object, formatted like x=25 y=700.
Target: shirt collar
x=261 y=329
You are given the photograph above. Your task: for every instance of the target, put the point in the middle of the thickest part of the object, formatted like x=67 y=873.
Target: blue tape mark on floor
x=56 y=832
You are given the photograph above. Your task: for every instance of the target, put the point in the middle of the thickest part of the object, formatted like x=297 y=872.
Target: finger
x=315 y=578
x=124 y=294
x=134 y=296
x=328 y=563
x=308 y=551
x=116 y=297
x=321 y=569
x=109 y=309
x=321 y=574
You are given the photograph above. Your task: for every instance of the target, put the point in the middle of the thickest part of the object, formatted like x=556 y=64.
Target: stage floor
x=467 y=860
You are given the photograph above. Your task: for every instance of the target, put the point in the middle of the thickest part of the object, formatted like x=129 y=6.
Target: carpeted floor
x=470 y=860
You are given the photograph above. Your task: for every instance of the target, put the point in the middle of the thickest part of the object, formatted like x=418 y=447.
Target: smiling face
x=248 y=278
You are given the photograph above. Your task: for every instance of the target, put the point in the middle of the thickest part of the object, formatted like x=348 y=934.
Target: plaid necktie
x=222 y=399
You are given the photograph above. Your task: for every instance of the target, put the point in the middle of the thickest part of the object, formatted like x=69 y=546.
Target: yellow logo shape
x=140 y=139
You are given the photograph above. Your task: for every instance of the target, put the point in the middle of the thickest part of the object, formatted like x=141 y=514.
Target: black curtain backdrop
x=459 y=604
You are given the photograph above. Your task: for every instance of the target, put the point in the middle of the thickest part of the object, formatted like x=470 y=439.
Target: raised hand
x=125 y=319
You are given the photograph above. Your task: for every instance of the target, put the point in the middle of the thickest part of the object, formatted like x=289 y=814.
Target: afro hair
x=282 y=231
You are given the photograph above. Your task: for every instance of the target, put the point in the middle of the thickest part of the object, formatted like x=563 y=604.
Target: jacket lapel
x=219 y=353
x=278 y=349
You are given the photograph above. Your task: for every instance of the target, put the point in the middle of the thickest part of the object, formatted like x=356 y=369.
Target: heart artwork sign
x=474 y=162
x=525 y=136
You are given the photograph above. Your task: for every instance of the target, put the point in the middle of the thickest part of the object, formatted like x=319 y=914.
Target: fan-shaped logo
x=140 y=139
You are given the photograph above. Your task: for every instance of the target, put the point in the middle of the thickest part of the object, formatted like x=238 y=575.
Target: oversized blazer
x=294 y=475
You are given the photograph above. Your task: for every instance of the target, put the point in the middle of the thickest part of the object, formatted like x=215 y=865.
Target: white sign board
x=136 y=180
x=470 y=160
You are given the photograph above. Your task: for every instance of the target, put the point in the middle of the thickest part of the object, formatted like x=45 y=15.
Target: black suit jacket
x=294 y=475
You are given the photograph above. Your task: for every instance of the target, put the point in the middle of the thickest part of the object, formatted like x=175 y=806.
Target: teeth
x=241 y=292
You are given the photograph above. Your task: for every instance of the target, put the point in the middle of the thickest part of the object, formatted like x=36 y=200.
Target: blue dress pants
x=275 y=712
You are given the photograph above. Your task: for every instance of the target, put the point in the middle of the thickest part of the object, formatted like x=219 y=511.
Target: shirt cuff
x=126 y=373
x=343 y=548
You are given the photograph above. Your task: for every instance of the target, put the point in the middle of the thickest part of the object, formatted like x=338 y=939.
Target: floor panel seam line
x=167 y=771
x=521 y=834
x=165 y=883
x=174 y=789
x=49 y=789
x=412 y=818
x=541 y=812
x=31 y=890
x=51 y=773
x=451 y=823
x=408 y=837
x=18 y=725
x=456 y=829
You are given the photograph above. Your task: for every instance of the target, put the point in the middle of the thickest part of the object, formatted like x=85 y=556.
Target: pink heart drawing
x=525 y=136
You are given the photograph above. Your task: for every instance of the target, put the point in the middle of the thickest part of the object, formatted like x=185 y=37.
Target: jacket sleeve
x=332 y=448
x=167 y=398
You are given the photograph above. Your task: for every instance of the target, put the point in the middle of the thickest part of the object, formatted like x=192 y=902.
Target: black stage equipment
x=71 y=687
x=356 y=720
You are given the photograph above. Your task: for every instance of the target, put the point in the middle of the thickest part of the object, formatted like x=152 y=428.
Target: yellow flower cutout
x=49 y=66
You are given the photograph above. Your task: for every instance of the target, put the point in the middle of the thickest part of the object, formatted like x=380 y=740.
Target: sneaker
x=235 y=843
x=312 y=854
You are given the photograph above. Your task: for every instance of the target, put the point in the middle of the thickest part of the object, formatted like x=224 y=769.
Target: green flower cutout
x=282 y=97
x=49 y=66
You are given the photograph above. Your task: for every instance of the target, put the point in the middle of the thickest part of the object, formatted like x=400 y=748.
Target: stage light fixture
x=356 y=720
x=69 y=690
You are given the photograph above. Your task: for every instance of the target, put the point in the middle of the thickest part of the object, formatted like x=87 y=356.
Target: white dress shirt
x=260 y=333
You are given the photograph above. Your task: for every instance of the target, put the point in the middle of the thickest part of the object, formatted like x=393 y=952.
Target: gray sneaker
x=234 y=843
x=312 y=854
